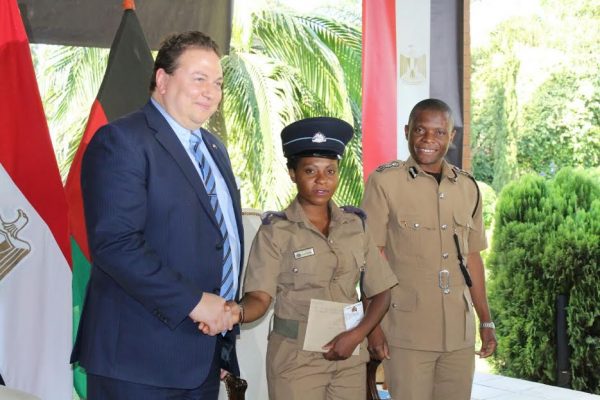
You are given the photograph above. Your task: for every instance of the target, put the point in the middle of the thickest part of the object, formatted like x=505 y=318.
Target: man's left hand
x=488 y=342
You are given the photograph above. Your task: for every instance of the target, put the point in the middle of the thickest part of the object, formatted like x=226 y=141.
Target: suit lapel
x=167 y=138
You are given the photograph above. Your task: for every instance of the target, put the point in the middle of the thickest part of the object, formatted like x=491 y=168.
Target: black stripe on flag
x=125 y=86
x=447 y=76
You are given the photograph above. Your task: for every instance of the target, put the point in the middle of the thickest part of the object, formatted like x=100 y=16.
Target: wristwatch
x=487 y=325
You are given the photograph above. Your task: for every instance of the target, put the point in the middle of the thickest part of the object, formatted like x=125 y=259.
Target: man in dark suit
x=164 y=225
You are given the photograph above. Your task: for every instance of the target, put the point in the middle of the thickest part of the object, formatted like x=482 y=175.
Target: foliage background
x=536 y=92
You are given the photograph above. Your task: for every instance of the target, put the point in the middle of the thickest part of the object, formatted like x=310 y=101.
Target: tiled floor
x=496 y=387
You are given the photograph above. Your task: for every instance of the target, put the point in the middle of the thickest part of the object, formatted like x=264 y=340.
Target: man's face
x=429 y=135
x=191 y=94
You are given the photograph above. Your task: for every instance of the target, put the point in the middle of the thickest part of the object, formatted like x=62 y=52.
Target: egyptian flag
x=412 y=50
x=123 y=90
x=35 y=273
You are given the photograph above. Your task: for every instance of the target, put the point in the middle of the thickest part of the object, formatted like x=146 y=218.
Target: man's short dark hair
x=431 y=104
x=173 y=46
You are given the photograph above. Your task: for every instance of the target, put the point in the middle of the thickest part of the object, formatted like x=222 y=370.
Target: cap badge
x=319 y=138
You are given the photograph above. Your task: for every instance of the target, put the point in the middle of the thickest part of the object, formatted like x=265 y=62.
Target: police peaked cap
x=317 y=137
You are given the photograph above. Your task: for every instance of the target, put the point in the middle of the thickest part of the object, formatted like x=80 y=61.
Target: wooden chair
x=372 y=393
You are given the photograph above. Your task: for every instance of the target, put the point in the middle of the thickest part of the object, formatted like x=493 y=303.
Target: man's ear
x=292 y=175
x=406 y=132
x=452 y=134
x=161 y=80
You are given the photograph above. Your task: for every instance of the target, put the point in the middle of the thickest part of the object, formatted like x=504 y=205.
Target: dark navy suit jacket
x=155 y=247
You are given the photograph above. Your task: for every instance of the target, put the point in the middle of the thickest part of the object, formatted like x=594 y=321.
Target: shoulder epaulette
x=465 y=173
x=355 y=210
x=383 y=167
x=358 y=211
x=268 y=215
x=462 y=171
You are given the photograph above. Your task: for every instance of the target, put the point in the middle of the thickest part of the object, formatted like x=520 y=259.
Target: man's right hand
x=212 y=314
x=377 y=344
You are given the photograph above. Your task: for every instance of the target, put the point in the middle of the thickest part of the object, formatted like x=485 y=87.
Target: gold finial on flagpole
x=128 y=5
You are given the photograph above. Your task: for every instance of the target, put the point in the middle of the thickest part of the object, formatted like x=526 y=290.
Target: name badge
x=304 y=253
x=353 y=314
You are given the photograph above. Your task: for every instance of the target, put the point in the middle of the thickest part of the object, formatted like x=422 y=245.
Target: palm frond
x=285 y=38
x=252 y=96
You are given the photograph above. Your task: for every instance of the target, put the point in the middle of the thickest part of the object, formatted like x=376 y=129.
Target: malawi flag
x=123 y=90
x=412 y=50
x=35 y=293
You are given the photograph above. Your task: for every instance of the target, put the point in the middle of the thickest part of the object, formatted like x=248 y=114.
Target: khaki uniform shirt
x=294 y=262
x=414 y=219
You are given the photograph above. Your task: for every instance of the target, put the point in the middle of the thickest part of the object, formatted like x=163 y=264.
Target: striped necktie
x=209 y=183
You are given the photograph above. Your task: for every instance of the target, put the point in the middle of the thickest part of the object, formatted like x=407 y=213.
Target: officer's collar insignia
x=319 y=138
x=304 y=253
x=413 y=172
x=383 y=167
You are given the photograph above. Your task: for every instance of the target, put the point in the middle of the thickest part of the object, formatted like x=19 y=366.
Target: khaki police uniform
x=431 y=316
x=294 y=262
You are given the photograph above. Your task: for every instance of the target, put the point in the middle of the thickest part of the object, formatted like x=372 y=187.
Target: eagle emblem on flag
x=12 y=249
x=413 y=67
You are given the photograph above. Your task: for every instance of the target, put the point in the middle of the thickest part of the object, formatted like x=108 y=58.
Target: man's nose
x=429 y=135
x=207 y=90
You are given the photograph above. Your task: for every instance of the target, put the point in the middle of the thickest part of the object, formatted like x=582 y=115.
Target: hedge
x=546 y=242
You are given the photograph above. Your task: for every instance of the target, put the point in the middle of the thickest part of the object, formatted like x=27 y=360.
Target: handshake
x=214 y=315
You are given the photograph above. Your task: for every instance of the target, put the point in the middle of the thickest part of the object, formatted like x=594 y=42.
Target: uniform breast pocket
x=463 y=224
x=309 y=273
x=414 y=232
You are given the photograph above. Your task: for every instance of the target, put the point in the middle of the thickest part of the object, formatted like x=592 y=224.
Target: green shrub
x=546 y=242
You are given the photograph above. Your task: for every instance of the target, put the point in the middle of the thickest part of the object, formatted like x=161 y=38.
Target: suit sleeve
x=113 y=180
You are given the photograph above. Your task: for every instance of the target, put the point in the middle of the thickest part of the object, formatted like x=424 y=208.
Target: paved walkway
x=496 y=387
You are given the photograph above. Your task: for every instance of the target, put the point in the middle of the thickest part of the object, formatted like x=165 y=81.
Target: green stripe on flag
x=81 y=276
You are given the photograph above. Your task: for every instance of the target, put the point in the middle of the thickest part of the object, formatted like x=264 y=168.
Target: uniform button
x=295 y=270
x=330 y=241
x=416 y=225
x=219 y=246
x=441 y=195
x=444 y=227
x=394 y=305
x=445 y=255
x=335 y=278
x=216 y=290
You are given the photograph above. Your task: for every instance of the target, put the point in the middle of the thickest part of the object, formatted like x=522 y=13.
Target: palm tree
x=282 y=67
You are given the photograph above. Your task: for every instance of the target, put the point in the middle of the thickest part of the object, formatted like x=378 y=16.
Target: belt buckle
x=444 y=280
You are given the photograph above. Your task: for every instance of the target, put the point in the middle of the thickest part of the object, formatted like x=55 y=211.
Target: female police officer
x=314 y=250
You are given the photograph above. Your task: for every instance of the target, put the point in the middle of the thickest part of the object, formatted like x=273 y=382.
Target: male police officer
x=426 y=216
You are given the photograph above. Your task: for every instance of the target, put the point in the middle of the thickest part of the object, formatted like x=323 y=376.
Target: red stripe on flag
x=379 y=83
x=26 y=151
x=73 y=186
